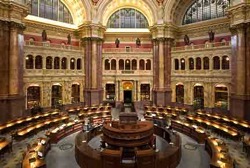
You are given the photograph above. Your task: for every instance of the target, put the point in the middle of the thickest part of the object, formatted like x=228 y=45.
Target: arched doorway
x=75 y=93
x=33 y=96
x=179 y=91
x=56 y=98
x=127 y=92
x=198 y=102
x=221 y=97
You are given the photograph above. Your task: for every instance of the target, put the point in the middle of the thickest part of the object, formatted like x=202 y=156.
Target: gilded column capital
x=13 y=11
x=92 y=30
x=166 y=30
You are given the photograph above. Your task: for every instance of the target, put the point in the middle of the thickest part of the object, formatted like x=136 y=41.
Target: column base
x=239 y=106
x=93 y=96
x=162 y=97
x=11 y=107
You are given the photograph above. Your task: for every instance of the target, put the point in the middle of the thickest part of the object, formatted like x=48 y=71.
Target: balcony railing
x=51 y=45
x=124 y=50
x=127 y=72
x=52 y=72
x=203 y=46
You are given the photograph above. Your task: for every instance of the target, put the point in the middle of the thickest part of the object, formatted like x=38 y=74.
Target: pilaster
x=92 y=39
x=163 y=36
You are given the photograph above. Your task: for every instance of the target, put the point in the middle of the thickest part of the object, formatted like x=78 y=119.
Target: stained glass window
x=51 y=9
x=127 y=18
x=202 y=10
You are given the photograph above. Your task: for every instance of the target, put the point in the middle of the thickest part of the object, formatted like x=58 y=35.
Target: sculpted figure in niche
x=138 y=42
x=44 y=36
x=69 y=39
x=211 y=36
x=186 y=40
x=117 y=42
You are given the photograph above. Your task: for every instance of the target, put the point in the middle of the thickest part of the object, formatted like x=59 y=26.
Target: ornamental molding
x=221 y=25
x=166 y=30
x=53 y=29
x=239 y=14
x=13 y=12
x=92 y=30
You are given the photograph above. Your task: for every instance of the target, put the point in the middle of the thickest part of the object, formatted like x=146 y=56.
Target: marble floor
x=62 y=155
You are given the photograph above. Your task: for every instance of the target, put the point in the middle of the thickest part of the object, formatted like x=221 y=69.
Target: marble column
x=240 y=68
x=93 y=92
x=12 y=100
x=162 y=71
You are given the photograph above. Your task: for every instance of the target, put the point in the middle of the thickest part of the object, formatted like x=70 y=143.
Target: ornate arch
x=175 y=10
x=105 y=10
x=77 y=9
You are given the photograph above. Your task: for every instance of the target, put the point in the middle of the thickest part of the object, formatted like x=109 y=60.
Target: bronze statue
x=186 y=40
x=138 y=42
x=211 y=36
x=44 y=36
x=117 y=42
x=69 y=39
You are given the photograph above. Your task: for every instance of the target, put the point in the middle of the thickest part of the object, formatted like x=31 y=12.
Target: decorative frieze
x=239 y=13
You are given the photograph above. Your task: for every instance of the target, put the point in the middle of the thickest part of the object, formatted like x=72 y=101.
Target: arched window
x=72 y=63
x=79 y=64
x=142 y=64
x=49 y=62
x=148 y=64
x=204 y=10
x=176 y=64
x=216 y=62
x=56 y=63
x=127 y=18
x=29 y=62
x=225 y=62
x=127 y=64
x=191 y=63
x=64 y=63
x=38 y=62
x=113 y=64
x=107 y=64
x=182 y=64
x=198 y=63
x=121 y=64
x=134 y=64
x=205 y=63
x=51 y=9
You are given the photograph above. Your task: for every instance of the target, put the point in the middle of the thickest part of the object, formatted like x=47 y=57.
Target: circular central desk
x=87 y=157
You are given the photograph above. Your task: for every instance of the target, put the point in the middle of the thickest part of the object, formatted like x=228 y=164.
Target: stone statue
x=186 y=40
x=117 y=42
x=69 y=39
x=44 y=36
x=211 y=36
x=138 y=42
